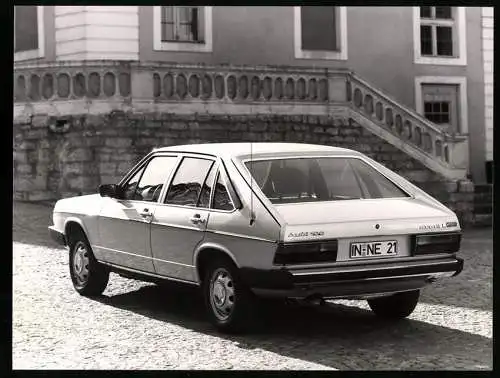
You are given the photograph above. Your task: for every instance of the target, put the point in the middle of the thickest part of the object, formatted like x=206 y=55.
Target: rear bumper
x=351 y=281
x=57 y=236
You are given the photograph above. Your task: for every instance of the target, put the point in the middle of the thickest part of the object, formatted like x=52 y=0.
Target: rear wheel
x=396 y=306
x=230 y=304
x=88 y=276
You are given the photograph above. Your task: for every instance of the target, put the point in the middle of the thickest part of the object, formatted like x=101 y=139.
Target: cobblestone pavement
x=137 y=325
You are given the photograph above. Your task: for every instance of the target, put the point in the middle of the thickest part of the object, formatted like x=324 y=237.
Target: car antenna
x=252 y=214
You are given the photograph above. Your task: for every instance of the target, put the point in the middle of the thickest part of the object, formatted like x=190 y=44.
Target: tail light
x=306 y=252
x=436 y=243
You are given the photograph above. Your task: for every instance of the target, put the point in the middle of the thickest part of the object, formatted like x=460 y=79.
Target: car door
x=180 y=221
x=124 y=223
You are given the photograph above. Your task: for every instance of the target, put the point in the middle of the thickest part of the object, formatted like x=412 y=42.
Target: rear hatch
x=364 y=228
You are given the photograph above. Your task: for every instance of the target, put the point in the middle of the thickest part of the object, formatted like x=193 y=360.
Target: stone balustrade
x=249 y=85
x=169 y=82
x=67 y=81
x=45 y=88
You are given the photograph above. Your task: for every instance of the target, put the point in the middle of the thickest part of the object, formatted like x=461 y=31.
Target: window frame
x=40 y=51
x=222 y=175
x=318 y=54
x=319 y=156
x=143 y=164
x=185 y=46
x=461 y=81
x=163 y=195
x=459 y=36
x=215 y=167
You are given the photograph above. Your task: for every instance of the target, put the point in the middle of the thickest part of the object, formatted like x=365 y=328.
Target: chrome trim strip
x=149 y=274
x=369 y=269
x=373 y=262
x=117 y=250
x=240 y=236
x=173 y=262
x=177 y=226
x=394 y=277
x=142 y=221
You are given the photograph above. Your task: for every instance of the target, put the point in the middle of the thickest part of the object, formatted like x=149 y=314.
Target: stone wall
x=63 y=157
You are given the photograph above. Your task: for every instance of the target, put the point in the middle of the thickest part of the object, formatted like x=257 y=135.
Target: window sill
x=441 y=61
x=183 y=47
x=325 y=55
x=27 y=55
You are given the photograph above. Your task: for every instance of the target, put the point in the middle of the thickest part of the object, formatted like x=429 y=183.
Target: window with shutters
x=28 y=32
x=183 y=28
x=320 y=32
x=439 y=35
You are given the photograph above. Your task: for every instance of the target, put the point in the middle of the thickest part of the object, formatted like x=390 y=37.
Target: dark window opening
x=437 y=112
x=319 y=28
x=444 y=40
x=437 y=32
x=425 y=12
x=182 y=24
x=425 y=40
x=26 y=28
x=443 y=13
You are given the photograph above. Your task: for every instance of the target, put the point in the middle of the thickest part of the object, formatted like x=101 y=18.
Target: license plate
x=373 y=249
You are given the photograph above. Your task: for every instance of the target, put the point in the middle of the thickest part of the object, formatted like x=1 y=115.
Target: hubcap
x=222 y=293
x=81 y=263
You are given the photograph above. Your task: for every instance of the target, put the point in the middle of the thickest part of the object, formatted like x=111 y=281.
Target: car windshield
x=294 y=180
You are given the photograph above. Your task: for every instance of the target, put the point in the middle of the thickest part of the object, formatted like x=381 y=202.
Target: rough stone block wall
x=56 y=158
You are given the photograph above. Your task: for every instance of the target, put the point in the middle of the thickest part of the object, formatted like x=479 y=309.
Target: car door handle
x=196 y=219
x=146 y=213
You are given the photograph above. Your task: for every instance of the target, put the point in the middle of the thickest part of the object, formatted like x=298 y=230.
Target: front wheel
x=88 y=276
x=230 y=304
x=396 y=306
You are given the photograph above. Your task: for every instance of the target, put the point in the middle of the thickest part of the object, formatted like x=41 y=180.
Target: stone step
x=483 y=188
x=483 y=198
x=483 y=220
x=483 y=208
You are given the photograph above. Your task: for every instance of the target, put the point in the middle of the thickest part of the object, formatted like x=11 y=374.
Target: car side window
x=129 y=191
x=222 y=200
x=152 y=179
x=186 y=185
x=206 y=189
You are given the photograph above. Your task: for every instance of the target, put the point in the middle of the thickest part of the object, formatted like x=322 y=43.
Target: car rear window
x=320 y=179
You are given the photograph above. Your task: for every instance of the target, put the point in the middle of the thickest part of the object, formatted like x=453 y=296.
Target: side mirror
x=108 y=190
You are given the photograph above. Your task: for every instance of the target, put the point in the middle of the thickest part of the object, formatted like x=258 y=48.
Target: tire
x=229 y=302
x=396 y=306
x=88 y=276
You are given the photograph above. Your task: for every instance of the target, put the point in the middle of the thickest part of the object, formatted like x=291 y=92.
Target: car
x=252 y=221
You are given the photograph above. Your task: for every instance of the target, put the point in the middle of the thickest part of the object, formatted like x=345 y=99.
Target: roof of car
x=257 y=148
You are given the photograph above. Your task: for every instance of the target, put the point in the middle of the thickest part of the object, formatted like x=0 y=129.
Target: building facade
x=430 y=66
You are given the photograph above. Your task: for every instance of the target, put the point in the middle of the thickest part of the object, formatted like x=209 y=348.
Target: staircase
x=442 y=153
x=483 y=204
